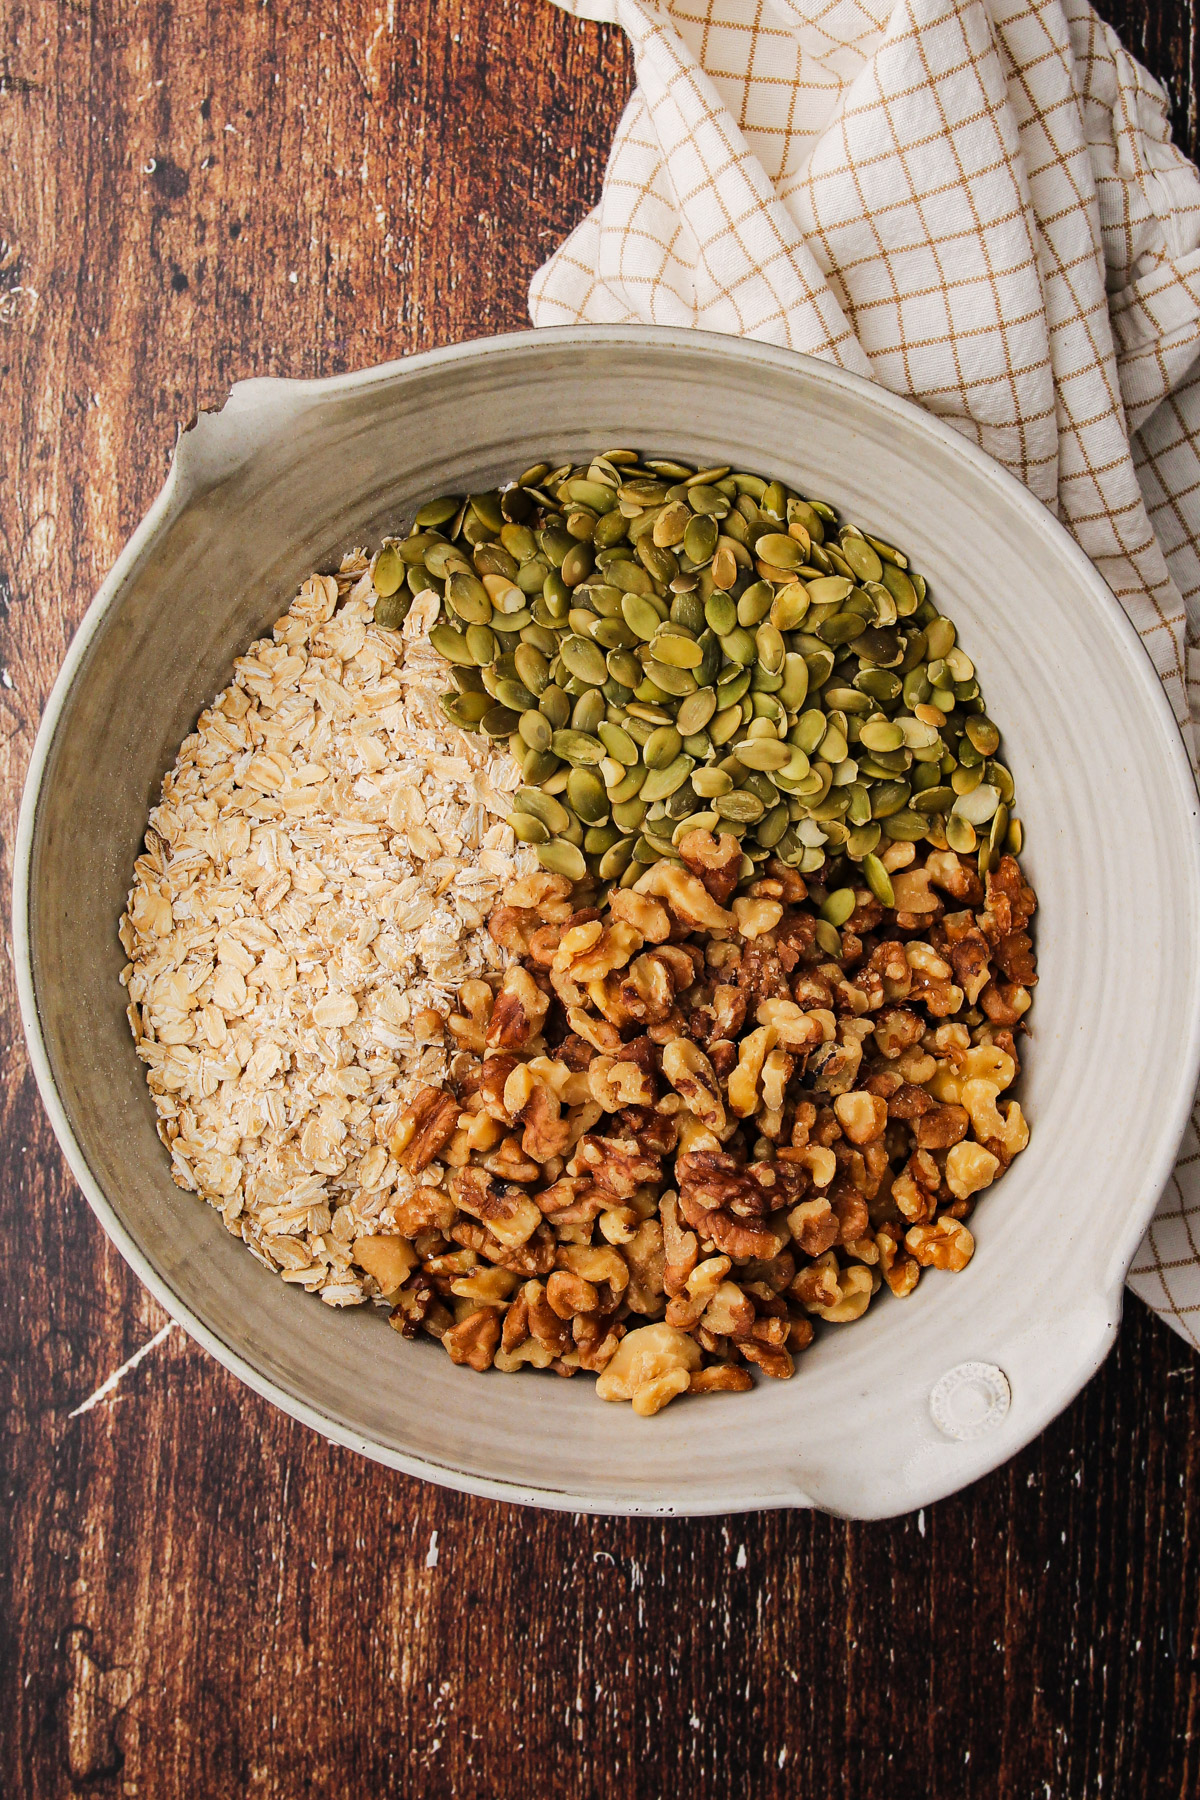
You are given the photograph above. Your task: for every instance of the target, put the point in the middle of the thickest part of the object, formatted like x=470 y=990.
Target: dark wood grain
x=198 y=1597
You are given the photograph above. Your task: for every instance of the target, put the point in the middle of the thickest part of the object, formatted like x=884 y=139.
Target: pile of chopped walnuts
x=682 y=1127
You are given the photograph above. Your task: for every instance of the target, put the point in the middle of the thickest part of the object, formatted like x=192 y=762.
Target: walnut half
x=651 y=1366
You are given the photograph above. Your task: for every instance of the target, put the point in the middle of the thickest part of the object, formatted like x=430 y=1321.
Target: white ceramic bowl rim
x=248 y=396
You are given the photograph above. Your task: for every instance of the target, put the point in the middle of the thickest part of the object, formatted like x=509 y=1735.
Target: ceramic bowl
x=922 y=1395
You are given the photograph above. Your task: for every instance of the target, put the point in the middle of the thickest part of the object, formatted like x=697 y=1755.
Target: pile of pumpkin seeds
x=666 y=649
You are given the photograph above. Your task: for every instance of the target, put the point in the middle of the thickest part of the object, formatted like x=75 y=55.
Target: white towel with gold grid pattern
x=976 y=203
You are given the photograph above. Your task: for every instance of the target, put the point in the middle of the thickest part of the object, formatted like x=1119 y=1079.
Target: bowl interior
x=291 y=475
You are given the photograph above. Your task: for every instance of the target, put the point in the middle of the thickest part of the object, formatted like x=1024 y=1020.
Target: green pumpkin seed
x=859 y=810
x=618 y=743
x=960 y=835
x=828 y=937
x=711 y=783
x=535 y=729
x=624 y=668
x=779 y=550
x=901 y=589
x=681 y=802
x=862 y=840
x=704 y=498
x=687 y=610
x=977 y=806
x=939 y=638
x=451 y=644
x=588 y=711
x=842 y=628
x=880 y=734
x=660 y=783
x=917 y=734
x=789 y=606
x=881 y=684
x=905 y=827
x=486 y=508
x=527 y=829
x=629 y=814
x=541 y=768
x=794 y=688
x=700 y=539
x=582 y=621
x=578 y=748
x=661 y=564
x=833 y=747
x=772 y=827
x=554 y=703
x=531 y=665
x=830 y=590
x=983 y=734
x=838 y=907
x=562 y=858
x=584 y=660
x=770 y=646
x=662 y=747
x=587 y=795
x=754 y=605
x=725 y=724
x=862 y=559
x=577 y=564
x=764 y=753
x=592 y=493
x=695 y=711
x=391 y=610
x=878 y=880
x=808 y=730
x=739 y=807
x=720 y=613
x=500 y=722
x=437 y=512
x=469 y=598
x=615 y=861
x=848 y=700
x=641 y=617
x=888 y=797
x=512 y=693
x=739 y=647
x=443 y=560
x=671 y=524
x=696 y=821
x=388 y=571
x=466 y=710
x=676 y=650
x=668 y=680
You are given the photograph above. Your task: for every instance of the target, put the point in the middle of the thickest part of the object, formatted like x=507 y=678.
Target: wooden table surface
x=197 y=1596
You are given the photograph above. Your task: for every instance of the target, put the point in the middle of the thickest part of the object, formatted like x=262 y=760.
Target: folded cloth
x=977 y=204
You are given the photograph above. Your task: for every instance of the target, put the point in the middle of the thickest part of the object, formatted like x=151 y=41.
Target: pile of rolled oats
x=311 y=896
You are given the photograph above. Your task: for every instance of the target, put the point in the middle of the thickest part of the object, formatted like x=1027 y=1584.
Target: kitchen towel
x=977 y=204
